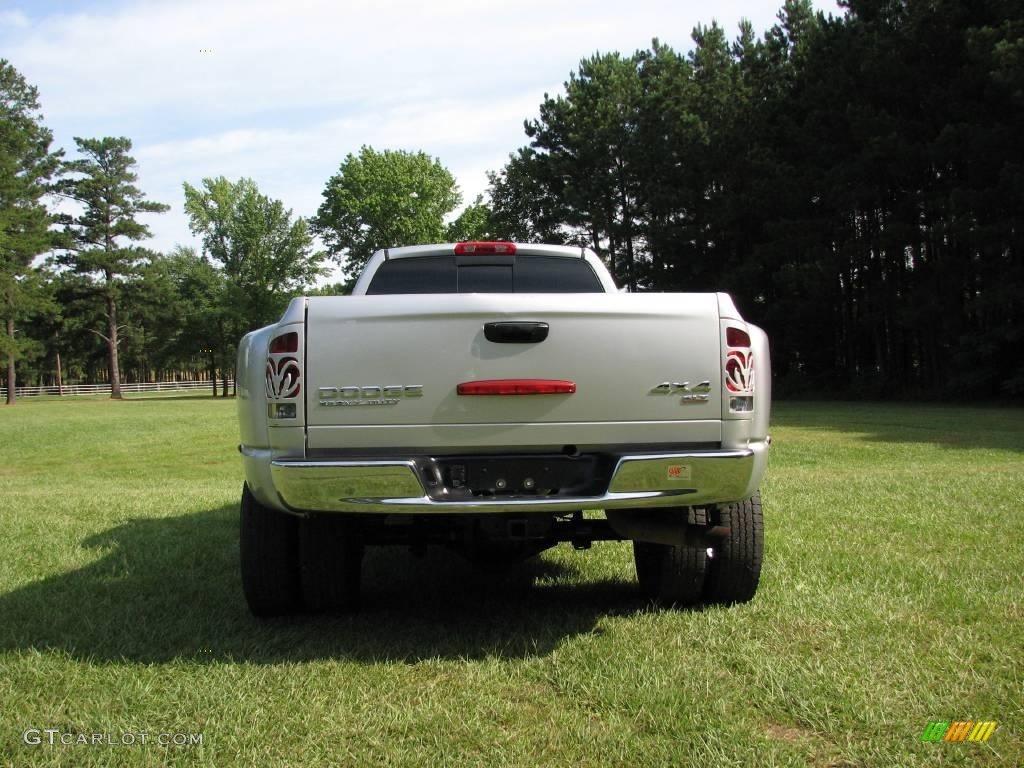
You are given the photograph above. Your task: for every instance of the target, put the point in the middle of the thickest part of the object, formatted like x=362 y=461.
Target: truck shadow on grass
x=169 y=589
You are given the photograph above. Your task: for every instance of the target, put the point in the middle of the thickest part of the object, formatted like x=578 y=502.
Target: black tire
x=735 y=566
x=673 y=575
x=332 y=562
x=269 y=555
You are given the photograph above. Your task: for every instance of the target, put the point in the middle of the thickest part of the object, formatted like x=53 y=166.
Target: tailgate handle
x=516 y=332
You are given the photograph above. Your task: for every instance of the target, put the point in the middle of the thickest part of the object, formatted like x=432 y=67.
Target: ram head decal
x=283 y=374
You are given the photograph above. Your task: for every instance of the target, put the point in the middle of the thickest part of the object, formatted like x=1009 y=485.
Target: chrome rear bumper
x=394 y=486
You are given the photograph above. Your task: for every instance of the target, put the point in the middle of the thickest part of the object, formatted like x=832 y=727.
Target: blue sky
x=289 y=88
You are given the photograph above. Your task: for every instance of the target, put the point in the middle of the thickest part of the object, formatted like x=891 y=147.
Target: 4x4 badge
x=698 y=393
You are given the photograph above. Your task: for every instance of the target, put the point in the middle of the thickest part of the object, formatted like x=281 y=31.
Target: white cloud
x=308 y=55
x=287 y=89
x=294 y=163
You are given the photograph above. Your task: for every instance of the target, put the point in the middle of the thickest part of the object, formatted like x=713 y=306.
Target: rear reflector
x=466 y=249
x=734 y=337
x=741 y=404
x=281 y=410
x=289 y=342
x=517 y=387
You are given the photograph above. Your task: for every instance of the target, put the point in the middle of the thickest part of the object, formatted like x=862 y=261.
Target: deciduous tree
x=266 y=255
x=384 y=199
x=474 y=223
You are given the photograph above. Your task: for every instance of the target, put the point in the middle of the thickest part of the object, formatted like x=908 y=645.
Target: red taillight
x=517 y=387
x=739 y=369
x=734 y=337
x=283 y=373
x=288 y=342
x=472 y=249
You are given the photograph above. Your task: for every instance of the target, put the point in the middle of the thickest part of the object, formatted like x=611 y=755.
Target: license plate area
x=525 y=476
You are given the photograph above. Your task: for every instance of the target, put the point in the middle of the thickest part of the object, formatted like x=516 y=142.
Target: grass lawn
x=893 y=595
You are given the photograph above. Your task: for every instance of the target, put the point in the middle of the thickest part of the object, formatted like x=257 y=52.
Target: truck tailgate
x=417 y=349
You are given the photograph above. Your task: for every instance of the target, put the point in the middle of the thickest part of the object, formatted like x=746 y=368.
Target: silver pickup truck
x=497 y=399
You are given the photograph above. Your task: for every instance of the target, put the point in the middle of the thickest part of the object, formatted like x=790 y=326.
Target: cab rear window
x=514 y=274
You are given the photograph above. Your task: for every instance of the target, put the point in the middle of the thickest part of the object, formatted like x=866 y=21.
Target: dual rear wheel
x=291 y=564
x=723 y=570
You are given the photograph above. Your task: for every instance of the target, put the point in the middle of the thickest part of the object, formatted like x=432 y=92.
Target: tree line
x=100 y=307
x=855 y=183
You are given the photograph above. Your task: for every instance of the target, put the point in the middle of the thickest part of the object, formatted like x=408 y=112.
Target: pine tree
x=104 y=183
x=26 y=168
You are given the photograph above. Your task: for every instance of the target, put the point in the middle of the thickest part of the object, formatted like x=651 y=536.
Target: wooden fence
x=101 y=389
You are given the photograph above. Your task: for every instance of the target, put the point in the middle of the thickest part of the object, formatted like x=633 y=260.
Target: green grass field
x=893 y=595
